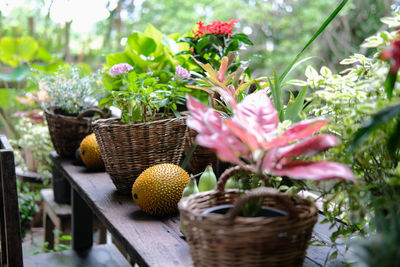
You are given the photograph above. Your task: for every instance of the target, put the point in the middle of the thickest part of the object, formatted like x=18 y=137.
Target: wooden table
x=149 y=241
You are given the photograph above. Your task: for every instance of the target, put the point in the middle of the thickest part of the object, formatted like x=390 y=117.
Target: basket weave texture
x=67 y=132
x=201 y=157
x=227 y=240
x=129 y=149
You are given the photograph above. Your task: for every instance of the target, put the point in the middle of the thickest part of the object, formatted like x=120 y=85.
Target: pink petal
x=257 y=112
x=298 y=131
x=243 y=134
x=318 y=171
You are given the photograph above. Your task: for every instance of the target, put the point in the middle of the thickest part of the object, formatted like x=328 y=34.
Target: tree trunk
x=67 y=57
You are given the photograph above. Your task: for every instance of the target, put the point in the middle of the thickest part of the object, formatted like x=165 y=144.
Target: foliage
x=250 y=139
x=143 y=97
x=212 y=42
x=380 y=248
x=348 y=99
x=58 y=246
x=27 y=204
x=35 y=138
x=70 y=90
x=148 y=51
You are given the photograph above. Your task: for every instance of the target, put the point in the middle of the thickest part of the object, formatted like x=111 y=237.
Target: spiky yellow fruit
x=89 y=151
x=159 y=188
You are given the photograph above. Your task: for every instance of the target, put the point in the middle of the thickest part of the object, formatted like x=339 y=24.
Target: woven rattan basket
x=129 y=149
x=67 y=132
x=231 y=240
x=201 y=156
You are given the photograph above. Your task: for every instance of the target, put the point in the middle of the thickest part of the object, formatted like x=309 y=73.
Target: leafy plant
x=70 y=90
x=208 y=44
x=58 y=246
x=142 y=96
x=35 y=138
x=250 y=140
x=27 y=204
x=148 y=51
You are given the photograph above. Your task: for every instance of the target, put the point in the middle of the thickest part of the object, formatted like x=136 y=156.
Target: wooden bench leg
x=82 y=223
x=48 y=231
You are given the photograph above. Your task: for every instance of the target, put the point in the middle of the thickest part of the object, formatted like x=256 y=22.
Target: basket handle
x=259 y=193
x=90 y=110
x=228 y=173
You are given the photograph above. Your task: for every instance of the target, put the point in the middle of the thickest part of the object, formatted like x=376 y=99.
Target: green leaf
x=27 y=48
x=153 y=33
x=374 y=123
x=43 y=55
x=293 y=109
x=394 y=140
x=319 y=31
x=142 y=44
x=242 y=37
x=277 y=95
x=117 y=58
x=389 y=84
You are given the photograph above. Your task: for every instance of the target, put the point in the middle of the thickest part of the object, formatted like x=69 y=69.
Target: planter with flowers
x=71 y=109
x=213 y=46
x=150 y=130
x=250 y=140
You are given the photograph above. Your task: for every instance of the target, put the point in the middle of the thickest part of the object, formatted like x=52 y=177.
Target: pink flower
x=250 y=139
x=120 y=68
x=182 y=72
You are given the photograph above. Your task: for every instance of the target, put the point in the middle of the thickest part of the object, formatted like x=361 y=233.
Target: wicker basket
x=129 y=149
x=67 y=132
x=230 y=240
x=201 y=156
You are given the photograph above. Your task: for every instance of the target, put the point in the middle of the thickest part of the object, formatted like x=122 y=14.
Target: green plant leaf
x=27 y=48
x=389 y=83
x=117 y=58
x=394 y=140
x=374 y=123
x=17 y=75
x=316 y=34
x=142 y=44
x=242 y=37
x=293 y=109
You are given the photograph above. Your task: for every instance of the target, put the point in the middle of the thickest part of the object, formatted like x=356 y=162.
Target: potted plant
x=250 y=139
x=71 y=109
x=150 y=129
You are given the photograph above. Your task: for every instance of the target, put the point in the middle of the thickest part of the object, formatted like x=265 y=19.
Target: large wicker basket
x=231 y=240
x=201 y=156
x=67 y=132
x=129 y=149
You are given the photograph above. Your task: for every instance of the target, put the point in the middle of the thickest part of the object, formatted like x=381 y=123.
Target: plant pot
x=61 y=188
x=129 y=149
x=201 y=156
x=67 y=132
x=231 y=240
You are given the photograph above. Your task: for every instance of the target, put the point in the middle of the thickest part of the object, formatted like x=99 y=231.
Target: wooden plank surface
x=148 y=240
x=152 y=241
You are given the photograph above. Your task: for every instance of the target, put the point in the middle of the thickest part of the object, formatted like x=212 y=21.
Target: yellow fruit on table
x=89 y=151
x=159 y=188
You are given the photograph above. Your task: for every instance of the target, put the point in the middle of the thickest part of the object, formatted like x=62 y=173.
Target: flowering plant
x=210 y=43
x=250 y=139
x=141 y=96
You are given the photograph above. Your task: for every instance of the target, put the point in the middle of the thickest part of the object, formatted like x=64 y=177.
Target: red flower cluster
x=216 y=27
x=392 y=53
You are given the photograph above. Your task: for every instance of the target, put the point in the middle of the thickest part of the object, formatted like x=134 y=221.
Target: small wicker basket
x=231 y=240
x=129 y=149
x=201 y=157
x=67 y=132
